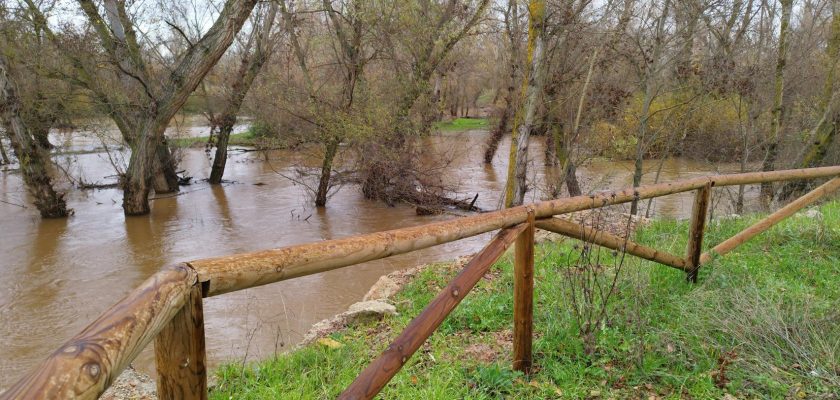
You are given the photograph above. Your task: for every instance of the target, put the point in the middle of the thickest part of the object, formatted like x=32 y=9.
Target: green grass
x=768 y=311
x=463 y=124
x=247 y=138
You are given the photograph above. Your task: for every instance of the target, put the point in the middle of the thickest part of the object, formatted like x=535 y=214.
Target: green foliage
x=248 y=138
x=495 y=380
x=678 y=123
x=761 y=323
x=463 y=124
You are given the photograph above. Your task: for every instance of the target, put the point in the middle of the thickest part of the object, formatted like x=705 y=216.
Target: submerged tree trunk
x=165 y=175
x=773 y=139
x=533 y=85
x=217 y=170
x=563 y=151
x=4 y=158
x=330 y=151
x=33 y=160
x=192 y=68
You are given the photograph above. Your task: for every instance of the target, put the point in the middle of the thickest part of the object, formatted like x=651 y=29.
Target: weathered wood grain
x=523 y=297
x=696 y=230
x=381 y=370
x=180 y=355
x=610 y=241
x=89 y=362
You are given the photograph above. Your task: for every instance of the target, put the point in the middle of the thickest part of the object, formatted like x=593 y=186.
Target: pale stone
x=384 y=288
x=368 y=309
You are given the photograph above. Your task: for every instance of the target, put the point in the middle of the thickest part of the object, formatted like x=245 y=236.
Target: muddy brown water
x=56 y=276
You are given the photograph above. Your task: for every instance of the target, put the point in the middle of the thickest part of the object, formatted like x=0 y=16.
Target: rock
x=322 y=328
x=384 y=288
x=812 y=213
x=372 y=309
x=358 y=312
x=131 y=384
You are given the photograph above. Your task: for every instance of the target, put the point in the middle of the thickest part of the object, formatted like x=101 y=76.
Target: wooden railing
x=167 y=307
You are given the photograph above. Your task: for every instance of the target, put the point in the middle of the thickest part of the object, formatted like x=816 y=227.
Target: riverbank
x=760 y=324
x=247 y=138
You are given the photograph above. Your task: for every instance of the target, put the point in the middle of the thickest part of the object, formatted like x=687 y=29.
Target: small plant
x=495 y=380
x=590 y=280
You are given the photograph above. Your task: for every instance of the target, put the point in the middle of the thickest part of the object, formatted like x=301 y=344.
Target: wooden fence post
x=523 y=297
x=180 y=353
x=695 y=236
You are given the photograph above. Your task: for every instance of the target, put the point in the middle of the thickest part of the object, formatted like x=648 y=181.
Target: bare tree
x=778 y=110
x=533 y=85
x=255 y=53
x=822 y=135
x=153 y=102
x=32 y=158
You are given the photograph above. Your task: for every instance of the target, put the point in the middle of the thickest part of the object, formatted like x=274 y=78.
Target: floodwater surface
x=56 y=276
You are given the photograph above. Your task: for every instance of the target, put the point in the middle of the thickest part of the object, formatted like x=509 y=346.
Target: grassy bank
x=463 y=124
x=763 y=322
x=247 y=138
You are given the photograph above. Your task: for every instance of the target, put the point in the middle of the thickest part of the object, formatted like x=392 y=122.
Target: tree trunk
x=638 y=163
x=552 y=138
x=33 y=160
x=326 y=172
x=568 y=168
x=138 y=176
x=5 y=157
x=517 y=168
x=220 y=159
x=186 y=76
x=772 y=146
x=42 y=138
x=250 y=67
x=165 y=176
x=822 y=136
x=496 y=136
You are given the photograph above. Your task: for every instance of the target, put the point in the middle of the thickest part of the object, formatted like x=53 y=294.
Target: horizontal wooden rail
x=380 y=371
x=242 y=271
x=610 y=241
x=730 y=244
x=89 y=362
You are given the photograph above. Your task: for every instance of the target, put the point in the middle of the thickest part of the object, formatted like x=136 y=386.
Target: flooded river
x=56 y=276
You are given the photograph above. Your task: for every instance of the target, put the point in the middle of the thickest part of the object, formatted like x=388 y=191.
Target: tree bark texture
x=33 y=159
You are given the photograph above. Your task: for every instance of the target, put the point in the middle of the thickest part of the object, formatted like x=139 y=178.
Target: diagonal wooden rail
x=167 y=307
